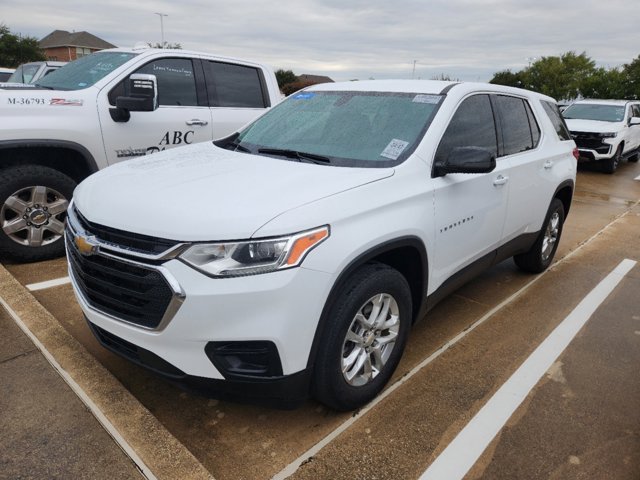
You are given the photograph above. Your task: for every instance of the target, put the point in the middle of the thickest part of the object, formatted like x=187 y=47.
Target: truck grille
x=590 y=141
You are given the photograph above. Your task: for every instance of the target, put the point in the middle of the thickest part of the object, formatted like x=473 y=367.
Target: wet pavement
x=580 y=421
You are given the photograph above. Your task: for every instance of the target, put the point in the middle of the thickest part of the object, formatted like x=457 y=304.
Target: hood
x=204 y=193
x=595 y=126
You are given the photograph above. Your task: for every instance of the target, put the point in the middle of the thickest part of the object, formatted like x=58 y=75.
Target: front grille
x=134 y=241
x=129 y=292
x=590 y=141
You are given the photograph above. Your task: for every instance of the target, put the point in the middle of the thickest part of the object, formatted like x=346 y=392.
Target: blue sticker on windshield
x=304 y=96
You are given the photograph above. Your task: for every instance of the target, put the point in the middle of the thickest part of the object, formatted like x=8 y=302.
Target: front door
x=182 y=117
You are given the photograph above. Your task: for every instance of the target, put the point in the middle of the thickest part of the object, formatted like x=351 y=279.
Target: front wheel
x=611 y=165
x=33 y=206
x=368 y=327
x=541 y=254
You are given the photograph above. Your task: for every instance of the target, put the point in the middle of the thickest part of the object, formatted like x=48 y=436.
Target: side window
x=471 y=126
x=533 y=124
x=552 y=111
x=234 y=86
x=176 y=82
x=516 y=133
x=635 y=112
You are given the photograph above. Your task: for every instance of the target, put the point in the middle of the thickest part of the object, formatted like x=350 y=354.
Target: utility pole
x=413 y=73
x=161 y=26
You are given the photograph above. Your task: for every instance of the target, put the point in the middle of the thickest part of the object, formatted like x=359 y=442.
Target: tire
x=373 y=284
x=634 y=158
x=33 y=205
x=611 y=164
x=541 y=254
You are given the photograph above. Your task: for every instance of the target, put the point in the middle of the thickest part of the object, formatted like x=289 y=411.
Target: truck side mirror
x=143 y=97
x=634 y=121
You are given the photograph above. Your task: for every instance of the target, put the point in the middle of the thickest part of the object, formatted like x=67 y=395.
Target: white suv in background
x=292 y=257
x=606 y=131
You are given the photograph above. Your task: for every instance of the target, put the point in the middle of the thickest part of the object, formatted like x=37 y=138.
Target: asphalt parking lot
x=462 y=369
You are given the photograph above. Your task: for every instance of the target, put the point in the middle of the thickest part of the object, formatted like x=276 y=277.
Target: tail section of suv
x=606 y=131
x=293 y=257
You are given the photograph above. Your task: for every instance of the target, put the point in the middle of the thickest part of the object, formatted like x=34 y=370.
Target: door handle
x=196 y=121
x=500 y=180
x=548 y=164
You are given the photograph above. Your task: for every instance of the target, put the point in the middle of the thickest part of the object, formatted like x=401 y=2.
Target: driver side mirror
x=143 y=97
x=466 y=160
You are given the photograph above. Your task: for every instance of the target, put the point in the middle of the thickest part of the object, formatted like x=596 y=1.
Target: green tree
x=631 y=72
x=284 y=77
x=16 y=49
x=560 y=77
x=603 y=83
x=509 y=79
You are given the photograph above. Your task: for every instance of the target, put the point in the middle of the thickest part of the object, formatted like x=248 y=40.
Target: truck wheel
x=34 y=202
x=369 y=325
x=540 y=256
x=610 y=165
x=634 y=157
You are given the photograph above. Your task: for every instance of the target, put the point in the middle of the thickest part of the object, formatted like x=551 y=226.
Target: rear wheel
x=33 y=207
x=611 y=165
x=369 y=324
x=541 y=254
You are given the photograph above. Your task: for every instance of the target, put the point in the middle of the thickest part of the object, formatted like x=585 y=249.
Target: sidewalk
x=47 y=432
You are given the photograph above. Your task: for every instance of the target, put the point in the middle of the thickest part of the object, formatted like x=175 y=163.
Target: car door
x=469 y=208
x=237 y=94
x=182 y=117
x=634 y=130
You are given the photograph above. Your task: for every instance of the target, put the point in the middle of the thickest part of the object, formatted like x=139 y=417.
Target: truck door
x=183 y=116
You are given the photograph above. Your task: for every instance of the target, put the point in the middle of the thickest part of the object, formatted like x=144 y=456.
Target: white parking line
x=637 y=178
x=463 y=452
x=48 y=284
x=82 y=395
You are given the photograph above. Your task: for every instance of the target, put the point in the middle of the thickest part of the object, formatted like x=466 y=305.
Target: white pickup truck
x=90 y=114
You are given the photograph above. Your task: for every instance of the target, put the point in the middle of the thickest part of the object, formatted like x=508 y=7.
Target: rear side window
x=553 y=112
x=517 y=123
x=471 y=126
x=232 y=85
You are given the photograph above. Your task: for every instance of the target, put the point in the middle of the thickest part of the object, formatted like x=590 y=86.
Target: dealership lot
x=580 y=421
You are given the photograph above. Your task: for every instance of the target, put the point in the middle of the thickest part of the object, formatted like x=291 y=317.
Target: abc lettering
x=177 y=138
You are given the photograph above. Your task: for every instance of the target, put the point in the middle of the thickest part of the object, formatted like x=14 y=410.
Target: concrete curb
x=161 y=454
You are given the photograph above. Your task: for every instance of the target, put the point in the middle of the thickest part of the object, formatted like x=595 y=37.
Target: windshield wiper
x=230 y=141
x=300 y=156
x=42 y=86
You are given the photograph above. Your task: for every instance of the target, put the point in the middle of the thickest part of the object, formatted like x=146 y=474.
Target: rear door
x=469 y=209
x=238 y=94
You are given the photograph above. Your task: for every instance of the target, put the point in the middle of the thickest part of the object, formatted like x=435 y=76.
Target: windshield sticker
x=66 y=101
x=304 y=96
x=394 y=149
x=432 y=99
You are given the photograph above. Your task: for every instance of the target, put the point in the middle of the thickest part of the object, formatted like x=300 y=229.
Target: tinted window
x=533 y=124
x=235 y=86
x=471 y=126
x=635 y=110
x=176 y=82
x=555 y=116
x=516 y=134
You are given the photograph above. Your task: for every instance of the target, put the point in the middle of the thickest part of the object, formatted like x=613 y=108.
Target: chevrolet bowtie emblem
x=86 y=245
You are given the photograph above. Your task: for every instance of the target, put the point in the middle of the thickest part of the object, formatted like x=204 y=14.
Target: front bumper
x=593 y=147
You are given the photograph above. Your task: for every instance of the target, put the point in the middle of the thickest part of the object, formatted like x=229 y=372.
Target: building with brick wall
x=66 y=46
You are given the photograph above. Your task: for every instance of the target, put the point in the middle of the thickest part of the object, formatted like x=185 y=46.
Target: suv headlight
x=608 y=135
x=251 y=257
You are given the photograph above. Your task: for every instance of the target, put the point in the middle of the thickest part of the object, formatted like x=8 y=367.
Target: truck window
x=176 y=82
x=471 y=126
x=231 y=85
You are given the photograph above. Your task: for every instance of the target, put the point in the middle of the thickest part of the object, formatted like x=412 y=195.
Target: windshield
x=595 y=111
x=24 y=73
x=364 y=129
x=85 y=71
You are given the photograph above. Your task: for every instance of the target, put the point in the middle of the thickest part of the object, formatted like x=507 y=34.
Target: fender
x=91 y=162
x=566 y=183
x=371 y=254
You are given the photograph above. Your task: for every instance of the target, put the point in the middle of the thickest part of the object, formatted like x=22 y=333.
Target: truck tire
x=611 y=164
x=369 y=325
x=33 y=205
x=540 y=256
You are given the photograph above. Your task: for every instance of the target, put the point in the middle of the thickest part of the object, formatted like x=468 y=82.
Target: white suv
x=606 y=131
x=293 y=256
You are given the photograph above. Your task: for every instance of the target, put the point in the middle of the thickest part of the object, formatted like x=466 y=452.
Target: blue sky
x=348 y=39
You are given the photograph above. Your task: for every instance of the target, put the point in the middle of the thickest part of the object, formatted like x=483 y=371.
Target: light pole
x=162 y=26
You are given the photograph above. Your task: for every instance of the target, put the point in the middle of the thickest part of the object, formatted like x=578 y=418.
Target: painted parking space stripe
x=32 y=287
x=637 y=178
x=465 y=449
